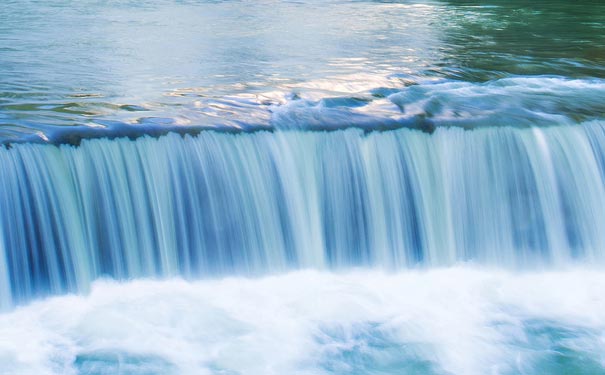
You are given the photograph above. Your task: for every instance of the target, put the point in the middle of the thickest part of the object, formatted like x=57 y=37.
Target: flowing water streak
x=270 y=201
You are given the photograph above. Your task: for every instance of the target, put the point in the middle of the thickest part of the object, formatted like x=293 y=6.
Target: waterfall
x=259 y=202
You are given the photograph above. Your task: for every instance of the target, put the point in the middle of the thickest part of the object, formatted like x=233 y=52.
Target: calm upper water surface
x=95 y=68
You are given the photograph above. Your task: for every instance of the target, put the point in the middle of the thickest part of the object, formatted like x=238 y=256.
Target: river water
x=72 y=69
x=302 y=187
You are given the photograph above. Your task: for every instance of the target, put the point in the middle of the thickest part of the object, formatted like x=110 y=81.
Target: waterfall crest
x=261 y=202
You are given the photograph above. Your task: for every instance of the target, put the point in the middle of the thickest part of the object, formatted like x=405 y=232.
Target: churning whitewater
x=457 y=320
x=261 y=202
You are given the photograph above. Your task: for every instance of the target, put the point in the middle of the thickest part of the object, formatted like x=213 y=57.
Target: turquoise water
x=72 y=69
x=302 y=187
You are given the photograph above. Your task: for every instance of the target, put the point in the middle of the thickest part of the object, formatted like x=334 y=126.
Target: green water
x=80 y=66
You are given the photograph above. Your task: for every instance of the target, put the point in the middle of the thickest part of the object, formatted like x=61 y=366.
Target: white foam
x=461 y=320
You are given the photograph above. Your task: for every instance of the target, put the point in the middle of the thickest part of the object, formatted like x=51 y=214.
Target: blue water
x=302 y=187
x=264 y=202
x=72 y=69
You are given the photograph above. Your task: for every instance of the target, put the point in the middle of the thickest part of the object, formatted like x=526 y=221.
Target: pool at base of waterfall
x=456 y=320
